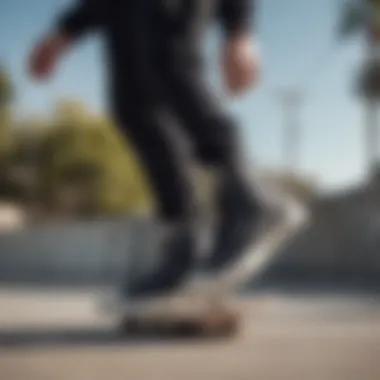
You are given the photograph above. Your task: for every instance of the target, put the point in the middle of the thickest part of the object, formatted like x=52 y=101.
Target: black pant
x=158 y=86
x=157 y=76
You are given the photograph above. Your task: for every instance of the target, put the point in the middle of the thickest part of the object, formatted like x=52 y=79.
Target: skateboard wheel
x=222 y=323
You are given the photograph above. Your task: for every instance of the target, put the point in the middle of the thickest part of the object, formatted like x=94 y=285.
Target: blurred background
x=75 y=204
x=311 y=125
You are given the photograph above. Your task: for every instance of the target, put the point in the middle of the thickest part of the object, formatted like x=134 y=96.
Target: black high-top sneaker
x=251 y=231
x=178 y=252
x=239 y=215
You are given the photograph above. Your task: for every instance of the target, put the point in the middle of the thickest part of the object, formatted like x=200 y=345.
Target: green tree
x=6 y=97
x=6 y=87
x=85 y=159
x=27 y=135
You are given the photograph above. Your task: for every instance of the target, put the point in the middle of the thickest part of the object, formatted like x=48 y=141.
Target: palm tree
x=363 y=16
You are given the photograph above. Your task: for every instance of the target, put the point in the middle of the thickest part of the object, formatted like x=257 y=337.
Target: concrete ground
x=52 y=335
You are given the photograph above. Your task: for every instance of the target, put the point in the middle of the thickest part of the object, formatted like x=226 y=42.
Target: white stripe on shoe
x=264 y=248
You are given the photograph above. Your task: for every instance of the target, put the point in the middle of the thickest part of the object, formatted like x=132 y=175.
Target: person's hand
x=240 y=63
x=46 y=54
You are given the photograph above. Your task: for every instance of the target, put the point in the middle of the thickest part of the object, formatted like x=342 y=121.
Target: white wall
x=84 y=252
x=339 y=242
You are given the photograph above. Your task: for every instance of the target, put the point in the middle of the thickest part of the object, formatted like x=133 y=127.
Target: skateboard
x=185 y=316
x=202 y=309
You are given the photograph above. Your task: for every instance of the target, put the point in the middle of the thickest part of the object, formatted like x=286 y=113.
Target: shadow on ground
x=39 y=338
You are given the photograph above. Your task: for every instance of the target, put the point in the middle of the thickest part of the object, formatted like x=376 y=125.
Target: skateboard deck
x=181 y=316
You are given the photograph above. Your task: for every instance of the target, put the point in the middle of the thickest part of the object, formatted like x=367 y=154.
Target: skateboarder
x=157 y=74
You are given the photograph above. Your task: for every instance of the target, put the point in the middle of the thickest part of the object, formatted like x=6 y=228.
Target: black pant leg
x=216 y=141
x=140 y=111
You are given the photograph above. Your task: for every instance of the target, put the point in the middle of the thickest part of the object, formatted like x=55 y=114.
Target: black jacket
x=89 y=15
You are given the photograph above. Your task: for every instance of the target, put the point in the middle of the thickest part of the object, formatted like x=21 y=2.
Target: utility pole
x=291 y=100
x=372 y=87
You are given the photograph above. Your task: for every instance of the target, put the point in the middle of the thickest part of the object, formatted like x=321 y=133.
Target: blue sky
x=299 y=48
